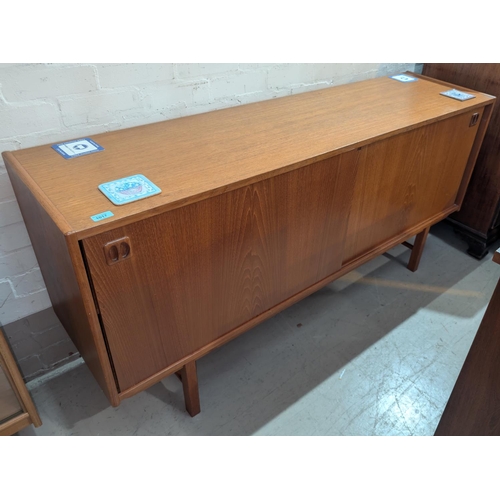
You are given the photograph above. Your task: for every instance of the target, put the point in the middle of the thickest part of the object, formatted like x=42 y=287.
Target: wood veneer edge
x=476 y=147
x=17 y=382
x=6 y=369
x=75 y=282
x=16 y=424
x=12 y=163
x=440 y=82
x=85 y=287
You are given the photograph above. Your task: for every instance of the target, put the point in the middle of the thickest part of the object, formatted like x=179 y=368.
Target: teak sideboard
x=261 y=205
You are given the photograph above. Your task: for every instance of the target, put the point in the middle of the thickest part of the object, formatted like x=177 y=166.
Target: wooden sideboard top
x=195 y=157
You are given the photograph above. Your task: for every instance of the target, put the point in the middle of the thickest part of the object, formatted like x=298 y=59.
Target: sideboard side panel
x=58 y=257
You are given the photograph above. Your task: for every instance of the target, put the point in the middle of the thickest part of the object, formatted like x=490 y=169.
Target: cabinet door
x=171 y=284
x=406 y=179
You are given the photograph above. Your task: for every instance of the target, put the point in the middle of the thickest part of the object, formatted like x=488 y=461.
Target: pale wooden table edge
x=30 y=415
x=15 y=424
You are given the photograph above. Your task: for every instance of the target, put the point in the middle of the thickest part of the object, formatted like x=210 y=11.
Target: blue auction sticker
x=101 y=216
x=78 y=147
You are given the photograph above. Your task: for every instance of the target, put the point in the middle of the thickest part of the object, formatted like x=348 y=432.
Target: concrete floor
x=374 y=353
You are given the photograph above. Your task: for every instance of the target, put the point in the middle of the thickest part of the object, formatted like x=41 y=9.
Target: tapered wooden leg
x=189 y=379
x=418 y=248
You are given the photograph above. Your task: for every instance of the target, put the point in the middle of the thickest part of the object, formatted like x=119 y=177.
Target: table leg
x=418 y=248
x=189 y=379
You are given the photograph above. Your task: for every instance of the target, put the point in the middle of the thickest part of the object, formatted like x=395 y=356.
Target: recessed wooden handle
x=117 y=250
x=124 y=249
x=113 y=253
x=474 y=119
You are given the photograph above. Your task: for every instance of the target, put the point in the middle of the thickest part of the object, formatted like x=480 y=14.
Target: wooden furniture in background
x=474 y=405
x=261 y=205
x=17 y=410
x=479 y=218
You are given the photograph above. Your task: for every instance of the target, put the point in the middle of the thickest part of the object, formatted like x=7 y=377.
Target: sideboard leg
x=418 y=248
x=189 y=379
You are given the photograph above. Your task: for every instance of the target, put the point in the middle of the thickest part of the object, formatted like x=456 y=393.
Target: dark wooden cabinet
x=474 y=405
x=261 y=205
x=478 y=220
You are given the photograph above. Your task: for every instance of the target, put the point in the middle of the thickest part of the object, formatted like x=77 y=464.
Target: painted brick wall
x=47 y=103
x=39 y=343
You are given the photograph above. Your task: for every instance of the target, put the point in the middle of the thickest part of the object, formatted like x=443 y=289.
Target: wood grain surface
x=198 y=272
x=27 y=413
x=406 y=179
x=474 y=405
x=64 y=274
x=195 y=157
x=9 y=405
x=189 y=378
x=417 y=250
x=15 y=424
x=256 y=320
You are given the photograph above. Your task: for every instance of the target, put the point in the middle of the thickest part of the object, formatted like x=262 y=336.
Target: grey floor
x=374 y=353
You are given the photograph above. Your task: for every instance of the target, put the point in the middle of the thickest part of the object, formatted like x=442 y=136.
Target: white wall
x=47 y=103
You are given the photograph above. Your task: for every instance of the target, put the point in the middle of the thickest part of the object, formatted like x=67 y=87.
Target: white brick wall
x=47 y=103
x=29 y=82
